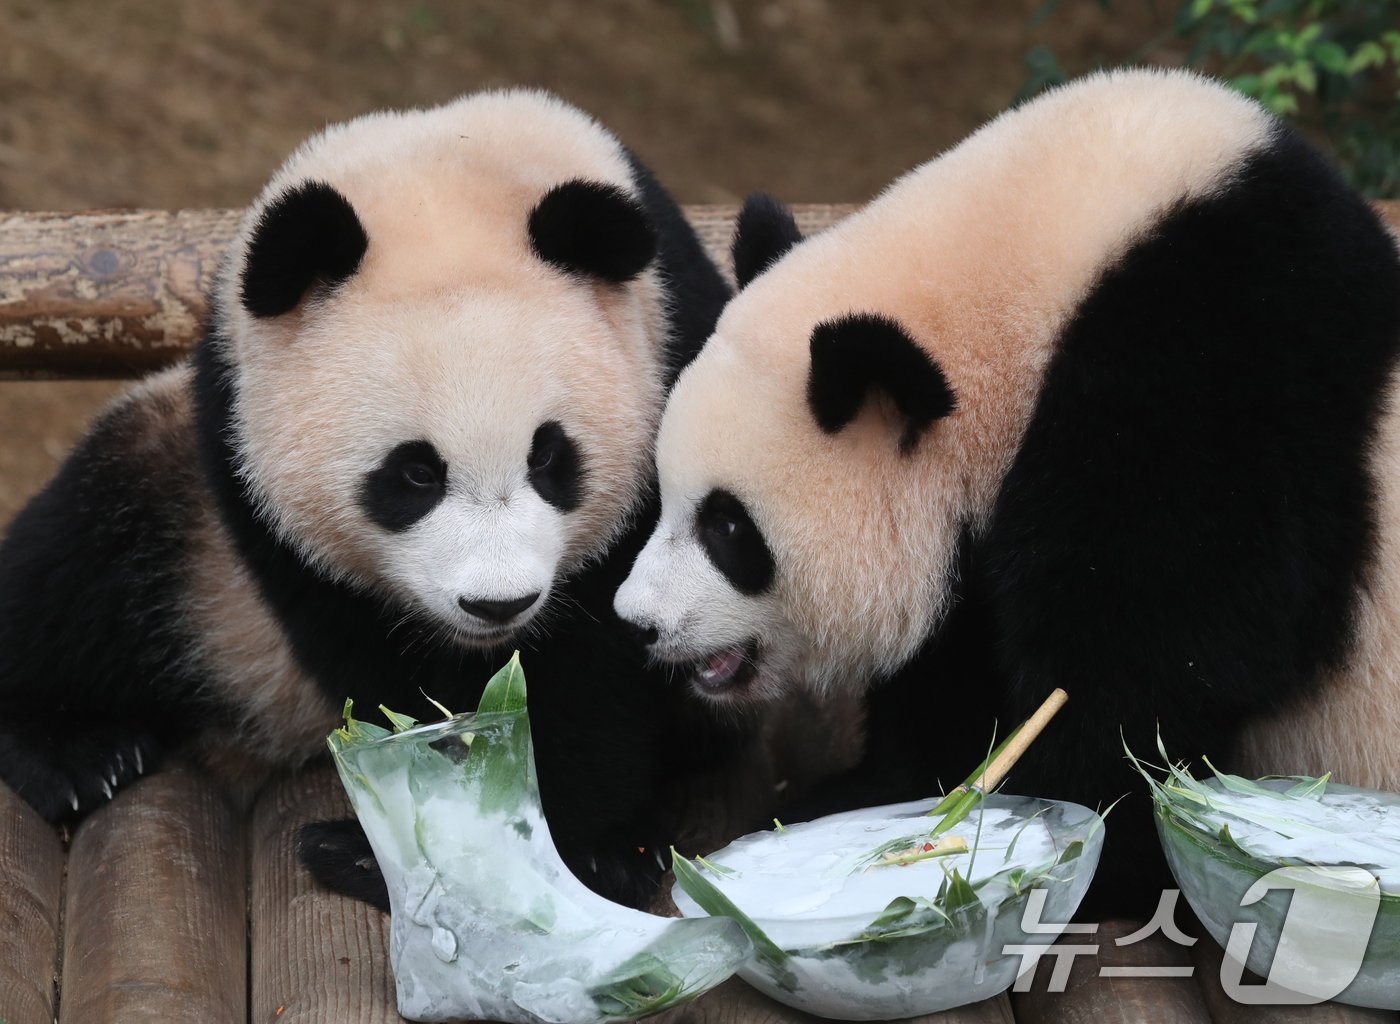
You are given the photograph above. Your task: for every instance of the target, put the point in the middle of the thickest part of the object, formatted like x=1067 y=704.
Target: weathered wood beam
x=122 y=293
x=31 y=887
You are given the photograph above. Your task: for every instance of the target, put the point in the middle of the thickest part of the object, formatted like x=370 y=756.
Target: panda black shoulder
x=92 y=574
x=696 y=290
x=1199 y=448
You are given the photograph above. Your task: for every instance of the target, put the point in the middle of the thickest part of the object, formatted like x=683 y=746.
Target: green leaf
x=401 y=723
x=956 y=893
x=1313 y=788
x=1200 y=8
x=717 y=904
x=506 y=690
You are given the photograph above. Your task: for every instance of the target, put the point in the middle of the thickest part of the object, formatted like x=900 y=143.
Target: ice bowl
x=860 y=916
x=487 y=922
x=1338 y=892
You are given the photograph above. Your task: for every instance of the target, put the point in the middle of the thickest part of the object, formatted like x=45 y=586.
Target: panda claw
x=659 y=862
x=107 y=788
x=593 y=864
x=73 y=797
x=140 y=766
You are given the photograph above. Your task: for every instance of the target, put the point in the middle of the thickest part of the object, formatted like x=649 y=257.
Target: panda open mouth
x=728 y=669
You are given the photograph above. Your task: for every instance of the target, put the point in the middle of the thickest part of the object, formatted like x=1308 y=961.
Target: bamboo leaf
x=717 y=904
x=505 y=692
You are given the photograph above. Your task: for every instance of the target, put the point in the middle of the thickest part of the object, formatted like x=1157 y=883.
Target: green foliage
x=1330 y=66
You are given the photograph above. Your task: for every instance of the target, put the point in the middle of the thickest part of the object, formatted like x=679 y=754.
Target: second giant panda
x=417 y=434
x=1103 y=399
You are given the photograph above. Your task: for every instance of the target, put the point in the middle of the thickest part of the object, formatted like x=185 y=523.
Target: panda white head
x=445 y=342
x=806 y=534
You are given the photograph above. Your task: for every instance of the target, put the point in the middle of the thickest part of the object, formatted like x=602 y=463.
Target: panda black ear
x=307 y=235
x=856 y=353
x=764 y=231
x=589 y=227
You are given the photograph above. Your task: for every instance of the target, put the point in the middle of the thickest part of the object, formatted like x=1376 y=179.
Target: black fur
x=308 y=235
x=97 y=661
x=406 y=486
x=592 y=228
x=764 y=231
x=1182 y=536
x=90 y=590
x=860 y=352
x=698 y=292
x=556 y=467
x=734 y=542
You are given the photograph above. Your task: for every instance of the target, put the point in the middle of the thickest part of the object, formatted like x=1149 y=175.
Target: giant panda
x=416 y=435
x=1103 y=398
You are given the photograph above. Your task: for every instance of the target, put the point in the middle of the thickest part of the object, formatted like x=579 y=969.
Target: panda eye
x=406 y=486
x=541 y=460
x=418 y=474
x=734 y=542
x=555 y=466
x=722 y=527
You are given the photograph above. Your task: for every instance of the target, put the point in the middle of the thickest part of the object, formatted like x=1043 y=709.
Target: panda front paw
x=624 y=873
x=339 y=857
x=65 y=771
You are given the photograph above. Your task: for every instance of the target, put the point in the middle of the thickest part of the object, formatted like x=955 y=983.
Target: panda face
x=459 y=453
x=447 y=359
x=785 y=555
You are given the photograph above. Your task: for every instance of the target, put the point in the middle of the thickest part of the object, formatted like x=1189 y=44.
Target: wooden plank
x=1092 y=998
x=31 y=892
x=156 y=921
x=121 y=293
x=317 y=958
x=735 y=1002
x=1224 y=1010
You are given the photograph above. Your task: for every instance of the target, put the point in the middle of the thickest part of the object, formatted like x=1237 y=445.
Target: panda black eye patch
x=734 y=542
x=555 y=467
x=405 y=487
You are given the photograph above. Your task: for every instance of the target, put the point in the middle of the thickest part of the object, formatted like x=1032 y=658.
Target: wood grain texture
x=114 y=294
x=31 y=888
x=1207 y=955
x=156 y=922
x=317 y=958
x=121 y=293
x=735 y=1002
x=1091 y=998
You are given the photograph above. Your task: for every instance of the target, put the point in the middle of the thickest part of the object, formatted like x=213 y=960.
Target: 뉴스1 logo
x=1318 y=953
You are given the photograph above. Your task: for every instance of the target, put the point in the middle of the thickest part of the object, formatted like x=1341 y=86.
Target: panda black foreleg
x=339 y=857
x=67 y=768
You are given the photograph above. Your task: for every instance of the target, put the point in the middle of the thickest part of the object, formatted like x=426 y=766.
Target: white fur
x=452 y=331
x=981 y=254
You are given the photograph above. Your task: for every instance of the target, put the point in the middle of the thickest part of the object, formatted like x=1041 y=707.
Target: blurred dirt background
x=189 y=103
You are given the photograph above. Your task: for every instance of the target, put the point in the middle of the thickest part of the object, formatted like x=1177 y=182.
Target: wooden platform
x=170 y=906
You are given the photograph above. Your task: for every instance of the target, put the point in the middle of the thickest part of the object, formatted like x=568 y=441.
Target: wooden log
x=122 y=293
x=1224 y=1010
x=31 y=892
x=317 y=958
x=1097 y=992
x=155 y=926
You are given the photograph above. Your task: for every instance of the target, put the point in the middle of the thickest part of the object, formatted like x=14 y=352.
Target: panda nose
x=643 y=632
x=497 y=611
